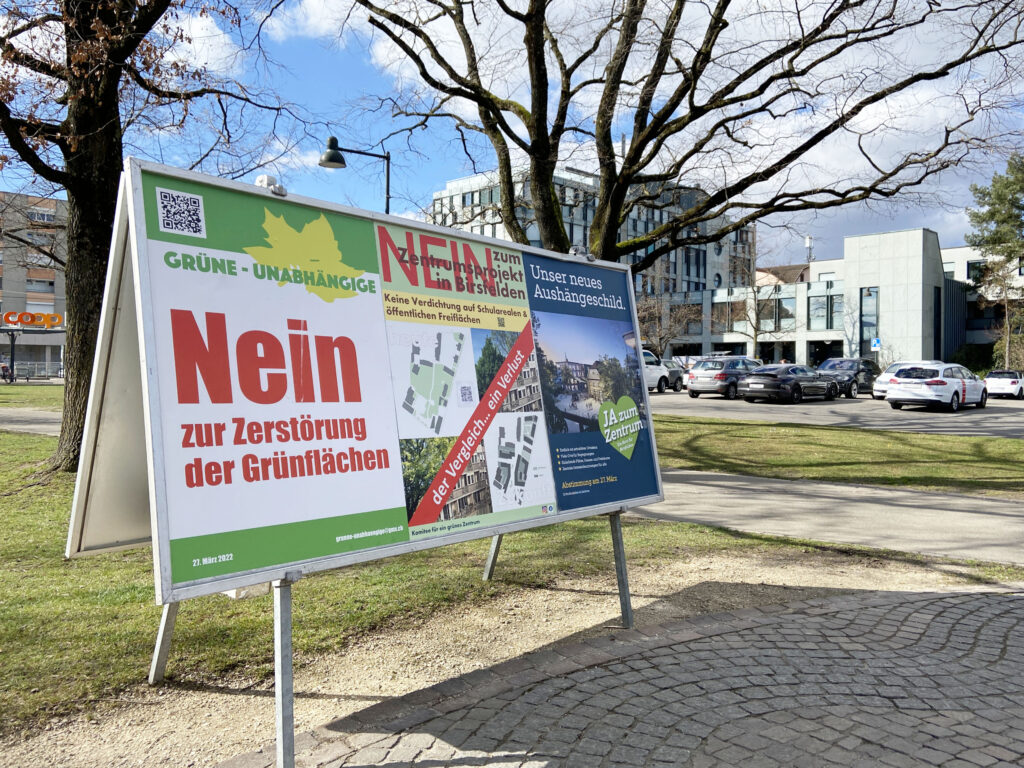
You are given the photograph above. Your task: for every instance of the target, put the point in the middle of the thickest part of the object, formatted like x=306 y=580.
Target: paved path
x=30 y=420
x=871 y=679
x=950 y=525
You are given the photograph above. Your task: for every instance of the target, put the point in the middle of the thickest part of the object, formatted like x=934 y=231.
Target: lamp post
x=333 y=158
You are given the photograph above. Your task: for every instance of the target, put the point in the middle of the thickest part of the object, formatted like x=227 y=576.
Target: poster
x=594 y=395
x=465 y=378
x=322 y=386
x=279 y=440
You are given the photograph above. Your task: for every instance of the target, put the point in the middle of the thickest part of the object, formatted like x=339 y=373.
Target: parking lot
x=1001 y=418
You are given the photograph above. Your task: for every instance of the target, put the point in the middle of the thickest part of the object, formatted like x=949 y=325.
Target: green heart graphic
x=620 y=424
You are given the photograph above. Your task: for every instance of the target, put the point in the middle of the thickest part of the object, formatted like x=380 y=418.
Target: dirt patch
x=178 y=725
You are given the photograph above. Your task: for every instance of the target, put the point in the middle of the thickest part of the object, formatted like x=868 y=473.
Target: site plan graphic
x=433 y=378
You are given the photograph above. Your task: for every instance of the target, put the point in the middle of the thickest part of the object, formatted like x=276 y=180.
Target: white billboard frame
x=97 y=510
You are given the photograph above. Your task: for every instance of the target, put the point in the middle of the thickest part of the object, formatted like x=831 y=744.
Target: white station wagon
x=933 y=384
x=881 y=385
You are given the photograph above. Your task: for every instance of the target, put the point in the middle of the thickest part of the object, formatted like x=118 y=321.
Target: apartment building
x=471 y=203
x=31 y=282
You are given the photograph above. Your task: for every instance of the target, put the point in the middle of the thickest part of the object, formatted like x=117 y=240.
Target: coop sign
x=46 y=320
x=318 y=386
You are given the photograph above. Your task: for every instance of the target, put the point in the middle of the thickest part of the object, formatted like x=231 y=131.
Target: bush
x=977 y=357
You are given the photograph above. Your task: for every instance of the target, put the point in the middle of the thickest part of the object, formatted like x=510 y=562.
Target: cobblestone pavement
x=872 y=679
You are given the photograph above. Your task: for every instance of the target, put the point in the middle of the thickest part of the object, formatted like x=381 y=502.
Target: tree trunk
x=94 y=165
x=1007 y=327
x=547 y=208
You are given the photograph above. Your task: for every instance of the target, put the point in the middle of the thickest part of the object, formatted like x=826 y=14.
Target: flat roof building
x=892 y=296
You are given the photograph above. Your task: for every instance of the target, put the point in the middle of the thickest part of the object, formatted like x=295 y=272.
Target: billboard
x=321 y=386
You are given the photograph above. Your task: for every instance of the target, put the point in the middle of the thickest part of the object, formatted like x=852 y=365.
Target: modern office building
x=471 y=204
x=31 y=228
x=892 y=296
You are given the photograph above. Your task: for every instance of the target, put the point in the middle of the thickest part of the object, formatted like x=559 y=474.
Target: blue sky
x=328 y=80
x=559 y=336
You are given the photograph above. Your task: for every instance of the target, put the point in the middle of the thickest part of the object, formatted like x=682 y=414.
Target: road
x=1002 y=418
x=948 y=525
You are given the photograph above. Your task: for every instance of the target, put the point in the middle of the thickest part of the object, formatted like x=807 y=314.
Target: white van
x=656 y=375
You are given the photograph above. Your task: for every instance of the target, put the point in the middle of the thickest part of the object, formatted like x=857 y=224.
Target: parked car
x=943 y=384
x=1005 y=384
x=787 y=383
x=676 y=375
x=656 y=375
x=881 y=384
x=719 y=375
x=852 y=375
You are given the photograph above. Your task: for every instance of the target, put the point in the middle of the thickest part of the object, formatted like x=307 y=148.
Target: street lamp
x=332 y=158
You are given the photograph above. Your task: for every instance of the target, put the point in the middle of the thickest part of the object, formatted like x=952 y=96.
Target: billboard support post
x=163 y=643
x=284 y=694
x=621 y=576
x=492 y=556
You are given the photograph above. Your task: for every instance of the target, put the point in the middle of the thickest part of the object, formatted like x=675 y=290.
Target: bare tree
x=661 y=320
x=771 y=108
x=36 y=242
x=77 y=80
x=762 y=307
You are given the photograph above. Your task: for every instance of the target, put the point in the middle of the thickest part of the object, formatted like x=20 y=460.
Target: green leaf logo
x=620 y=424
x=313 y=250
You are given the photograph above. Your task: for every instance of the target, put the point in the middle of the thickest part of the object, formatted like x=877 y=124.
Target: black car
x=787 y=383
x=852 y=375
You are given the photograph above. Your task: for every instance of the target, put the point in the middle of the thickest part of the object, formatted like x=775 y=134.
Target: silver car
x=719 y=375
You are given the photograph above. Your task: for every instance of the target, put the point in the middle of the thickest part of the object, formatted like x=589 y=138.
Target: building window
x=948 y=268
x=817 y=313
x=738 y=311
x=718 y=280
x=835 y=312
x=39 y=286
x=868 y=320
x=974 y=270
x=43 y=216
x=824 y=313
x=787 y=314
x=719 y=317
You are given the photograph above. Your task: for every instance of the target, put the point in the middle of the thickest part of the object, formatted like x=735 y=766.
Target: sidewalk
x=30 y=420
x=943 y=524
x=871 y=679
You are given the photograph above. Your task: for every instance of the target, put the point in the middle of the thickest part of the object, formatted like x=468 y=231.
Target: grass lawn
x=72 y=632
x=44 y=397
x=78 y=631
x=948 y=463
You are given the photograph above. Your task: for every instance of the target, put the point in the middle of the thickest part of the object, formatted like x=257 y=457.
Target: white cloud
x=315 y=19
x=205 y=46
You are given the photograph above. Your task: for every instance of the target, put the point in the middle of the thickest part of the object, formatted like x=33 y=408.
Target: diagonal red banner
x=457 y=460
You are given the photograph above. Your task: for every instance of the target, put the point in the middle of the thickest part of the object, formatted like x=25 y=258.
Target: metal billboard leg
x=163 y=644
x=621 y=576
x=492 y=557
x=284 y=695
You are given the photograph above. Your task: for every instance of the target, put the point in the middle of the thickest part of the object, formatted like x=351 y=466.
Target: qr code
x=466 y=393
x=180 y=213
